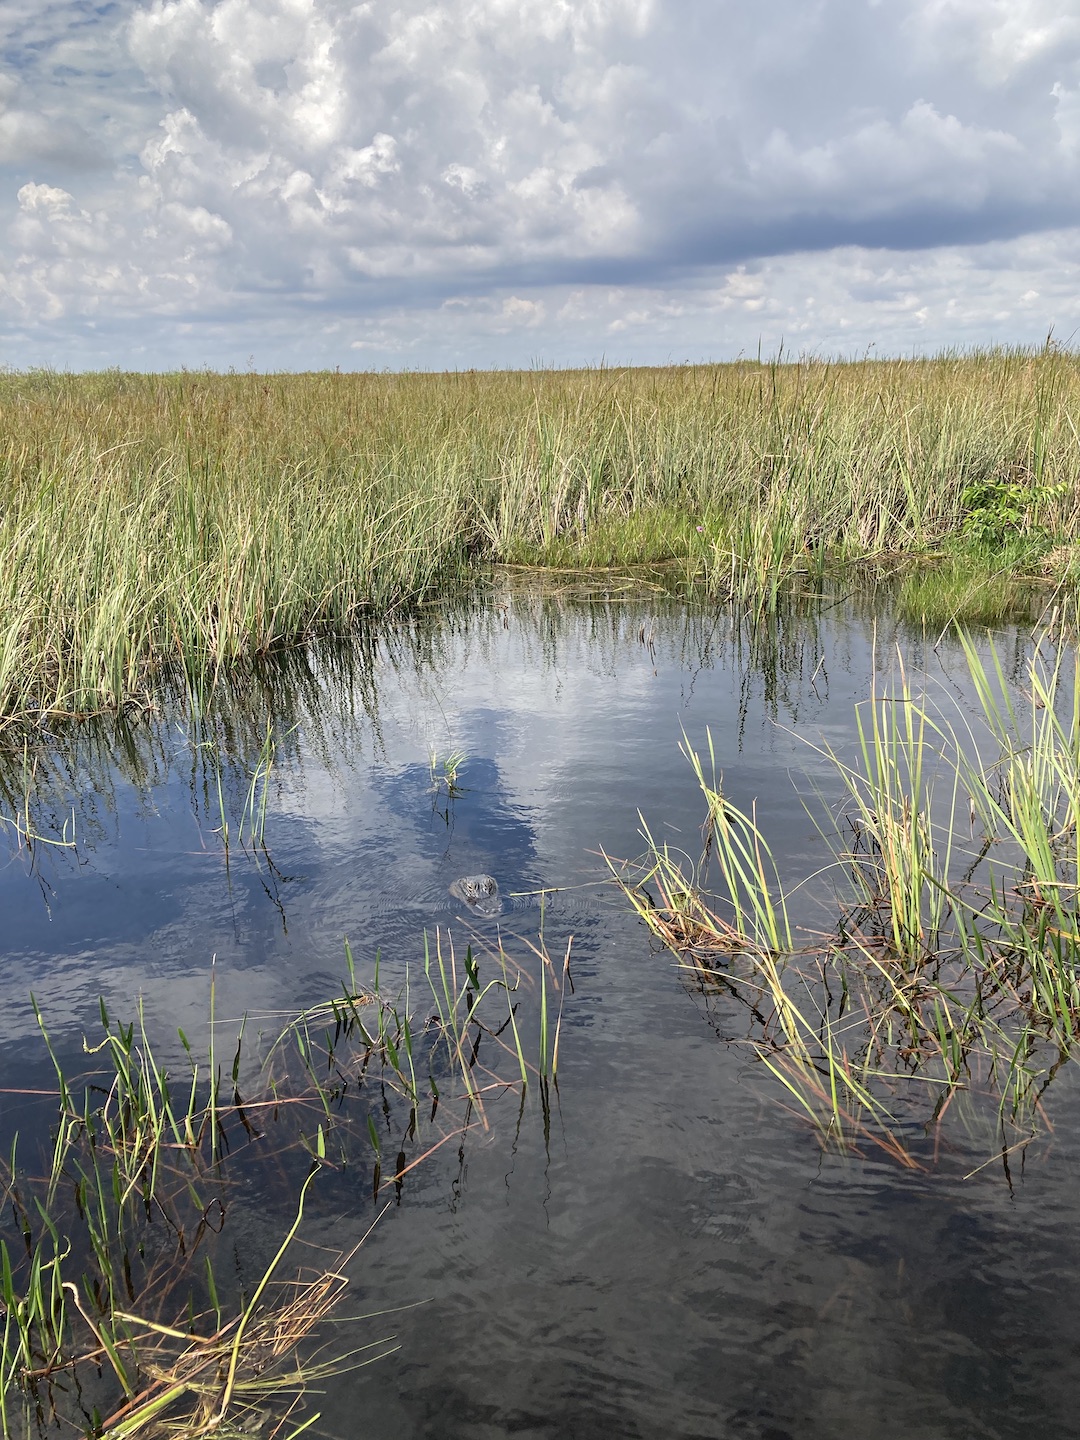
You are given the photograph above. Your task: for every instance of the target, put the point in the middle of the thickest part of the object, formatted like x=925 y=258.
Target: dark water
x=672 y=1254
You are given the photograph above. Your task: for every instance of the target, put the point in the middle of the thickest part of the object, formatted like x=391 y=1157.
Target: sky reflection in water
x=678 y=1258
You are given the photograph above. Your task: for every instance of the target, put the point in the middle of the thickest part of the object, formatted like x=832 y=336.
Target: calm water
x=672 y=1255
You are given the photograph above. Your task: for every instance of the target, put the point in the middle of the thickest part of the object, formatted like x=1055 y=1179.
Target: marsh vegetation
x=949 y=975
x=188 y=522
x=117 y=1320
x=267 y=582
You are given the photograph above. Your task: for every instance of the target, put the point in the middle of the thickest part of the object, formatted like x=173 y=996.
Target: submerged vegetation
x=950 y=976
x=119 y=1319
x=176 y=524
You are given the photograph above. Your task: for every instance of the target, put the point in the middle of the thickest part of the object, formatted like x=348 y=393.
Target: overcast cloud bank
x=475 y=182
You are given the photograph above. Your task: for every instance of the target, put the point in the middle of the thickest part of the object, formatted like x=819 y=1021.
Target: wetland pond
x=658 y=1245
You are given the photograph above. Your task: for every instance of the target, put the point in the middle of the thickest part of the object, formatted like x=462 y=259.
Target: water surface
x=671 y=1254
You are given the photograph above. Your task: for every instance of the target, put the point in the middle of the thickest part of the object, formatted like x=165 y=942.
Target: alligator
x=479 y=892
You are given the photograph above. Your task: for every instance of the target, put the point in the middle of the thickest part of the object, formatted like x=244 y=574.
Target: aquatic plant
x=116 y=1320
x=444 y=772
x=969 y=590
x=113 y=1319
x=953 y=967
x=157 y=525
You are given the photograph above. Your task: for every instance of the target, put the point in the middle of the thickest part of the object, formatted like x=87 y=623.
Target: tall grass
x=190 y=520
x=952 y=973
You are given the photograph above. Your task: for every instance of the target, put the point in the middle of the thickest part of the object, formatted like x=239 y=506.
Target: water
x=671 y=1254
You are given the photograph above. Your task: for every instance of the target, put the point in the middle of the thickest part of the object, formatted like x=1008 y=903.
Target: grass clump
x=975 y=589
x=950 y=977
x=156 y=523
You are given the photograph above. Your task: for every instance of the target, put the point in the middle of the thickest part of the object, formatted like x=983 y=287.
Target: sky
x=444 y=184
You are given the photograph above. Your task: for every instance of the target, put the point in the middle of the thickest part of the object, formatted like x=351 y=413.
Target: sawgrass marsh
x=210 y=549
x=180 y=524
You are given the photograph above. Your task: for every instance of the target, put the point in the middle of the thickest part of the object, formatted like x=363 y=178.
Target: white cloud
x=999 y=37
x=49 y=200
x=251 y=167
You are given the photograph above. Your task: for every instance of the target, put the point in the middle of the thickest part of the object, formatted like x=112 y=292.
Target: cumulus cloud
x=427 y=181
